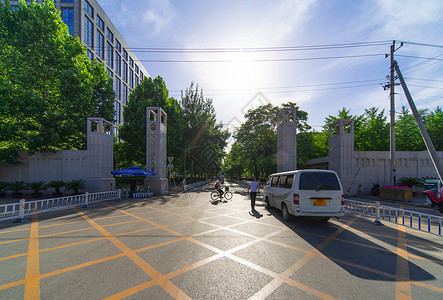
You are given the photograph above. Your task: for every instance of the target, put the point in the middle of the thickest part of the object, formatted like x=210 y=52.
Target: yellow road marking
x=403 y=285
x=160 y=279
x=32 y=281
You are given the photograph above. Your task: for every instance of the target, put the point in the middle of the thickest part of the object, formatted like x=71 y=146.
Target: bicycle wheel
x=214 y=195
x=228 y=195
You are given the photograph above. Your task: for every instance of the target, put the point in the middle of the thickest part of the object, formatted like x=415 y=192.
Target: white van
x=312 y=193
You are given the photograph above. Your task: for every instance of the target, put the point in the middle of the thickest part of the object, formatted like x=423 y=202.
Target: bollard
x=86 y=200
x=21 y=212
x=377 y=214
x=119 y=194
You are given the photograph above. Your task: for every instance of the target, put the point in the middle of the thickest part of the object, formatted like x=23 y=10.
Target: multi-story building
x=87 y=20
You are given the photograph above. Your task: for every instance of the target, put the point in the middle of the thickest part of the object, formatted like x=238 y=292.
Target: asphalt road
x=181 y=246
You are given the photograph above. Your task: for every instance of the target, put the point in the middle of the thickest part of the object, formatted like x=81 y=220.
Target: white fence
x=191 y=186
x=22 y=209
x=415 y=220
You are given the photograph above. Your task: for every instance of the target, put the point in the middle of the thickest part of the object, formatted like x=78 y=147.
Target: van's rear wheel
x=268 y=205
x=285 y=213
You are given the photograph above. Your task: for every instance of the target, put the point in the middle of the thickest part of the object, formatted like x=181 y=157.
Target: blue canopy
x=133 y=171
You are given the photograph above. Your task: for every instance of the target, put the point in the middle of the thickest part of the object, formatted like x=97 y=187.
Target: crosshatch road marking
x=32 y=281
x=230 y=211
x=147 y=268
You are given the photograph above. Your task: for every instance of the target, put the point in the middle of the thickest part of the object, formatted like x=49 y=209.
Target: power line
x=261 y=60
x=423 y=44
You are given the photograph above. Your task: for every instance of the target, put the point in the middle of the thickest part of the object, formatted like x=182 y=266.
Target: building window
x=90 y=55
x=110 y=36
x=125 y=54
x=125 y=71
x=131 y=62
x=117 y=109
x=67 y=1
x=141 y=75
x=110 y=55
x=131 y=78
x=118 y=46
x=100 y=23
x=100 y=44
x=136 y=80
x=89 y=33
x=136 y=69
x=118 y=66
x=110 y=74
x=68 y=19
x=124 y=93
x=117 y=87
x=89 y=9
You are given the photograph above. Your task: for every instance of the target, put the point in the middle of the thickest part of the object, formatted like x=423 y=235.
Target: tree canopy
x=48 y=85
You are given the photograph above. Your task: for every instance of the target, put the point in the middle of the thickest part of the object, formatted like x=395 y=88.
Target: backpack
x=215 y=186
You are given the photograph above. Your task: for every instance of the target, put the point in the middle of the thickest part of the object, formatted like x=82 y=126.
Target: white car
x=312 y=193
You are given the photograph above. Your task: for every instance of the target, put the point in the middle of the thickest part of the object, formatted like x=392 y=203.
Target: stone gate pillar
x=287 y=140
x=156 y=120
x=100 y=150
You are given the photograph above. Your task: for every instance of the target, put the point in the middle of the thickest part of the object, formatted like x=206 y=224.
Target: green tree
x=407 y=134
x=256 y=140
x=48 y=85
x=149 y=93
x=374 y=131
x=202 y=132
x=434 y=126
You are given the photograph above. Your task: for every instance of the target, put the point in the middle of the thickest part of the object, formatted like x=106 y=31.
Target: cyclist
x=218 y=187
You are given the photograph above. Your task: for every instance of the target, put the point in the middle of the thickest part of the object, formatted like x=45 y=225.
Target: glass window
x=118 y=66
x=68 y=19
x=319 y=181
x=110 y=74
x=100 y=44
x=274 y=181
x=125 y=54
x=89 y=9
x=141 y=75
x=110 y=55
x=117 y=86
x=100 y=23
x=124 y=93
x=131 y=62
x=125 y=71
x=118 y=46
x=67 y=1
x=90 y=55
x=136 y=80
x=89 y=33
x=136 y=69
x=117 y=109
x=131 y=78
x=286 y=181
x=110 y=36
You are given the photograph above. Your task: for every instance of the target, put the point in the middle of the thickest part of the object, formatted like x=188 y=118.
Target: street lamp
x=186 y=149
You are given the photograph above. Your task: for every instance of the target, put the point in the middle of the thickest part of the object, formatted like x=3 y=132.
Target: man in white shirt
x=253 y=189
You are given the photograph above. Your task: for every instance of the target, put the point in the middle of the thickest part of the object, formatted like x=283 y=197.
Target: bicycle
x=215 y=196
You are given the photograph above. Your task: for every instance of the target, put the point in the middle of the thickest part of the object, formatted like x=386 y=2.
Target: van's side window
x=268 y=181
x=286 y=181
x=274 y=182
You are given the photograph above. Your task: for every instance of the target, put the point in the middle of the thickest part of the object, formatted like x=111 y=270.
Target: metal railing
x=412 y=219
x=25 y=208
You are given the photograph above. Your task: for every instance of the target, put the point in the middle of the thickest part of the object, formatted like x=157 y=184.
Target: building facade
x=88 y=21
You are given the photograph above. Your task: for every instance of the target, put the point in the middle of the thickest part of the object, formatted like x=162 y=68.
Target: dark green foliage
x=149 y=93
x=76 y=185
x=36 y=186
x=410 y=181
x=17 y=186
x=48 y=85
x=56 y=184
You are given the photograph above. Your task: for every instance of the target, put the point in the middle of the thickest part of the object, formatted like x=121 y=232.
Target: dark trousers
x=253 y=196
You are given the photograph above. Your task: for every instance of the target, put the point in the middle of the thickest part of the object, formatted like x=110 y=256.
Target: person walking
x=253 y=189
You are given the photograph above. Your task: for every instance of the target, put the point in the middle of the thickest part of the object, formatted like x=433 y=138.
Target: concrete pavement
x=181 y=246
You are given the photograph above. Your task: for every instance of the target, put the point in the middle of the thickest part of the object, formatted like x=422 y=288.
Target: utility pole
x=392 y=178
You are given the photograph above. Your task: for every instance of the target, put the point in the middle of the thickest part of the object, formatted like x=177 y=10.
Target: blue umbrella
x=133 y=171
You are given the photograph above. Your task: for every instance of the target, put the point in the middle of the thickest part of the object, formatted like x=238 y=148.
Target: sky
x=334 y=54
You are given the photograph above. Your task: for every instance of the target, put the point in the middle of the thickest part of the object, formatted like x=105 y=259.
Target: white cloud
x=160 y=14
